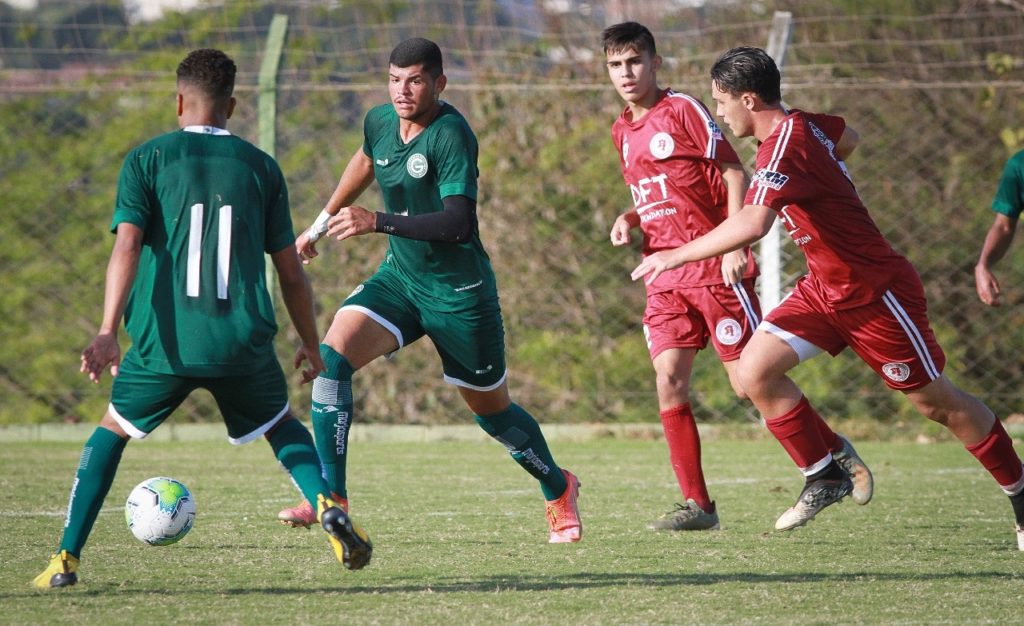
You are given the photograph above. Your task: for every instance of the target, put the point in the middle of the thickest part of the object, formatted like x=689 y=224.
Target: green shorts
x=251 y=404
x=470 y=341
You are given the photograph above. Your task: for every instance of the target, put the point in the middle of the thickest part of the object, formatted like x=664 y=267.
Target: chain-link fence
x=936 y=98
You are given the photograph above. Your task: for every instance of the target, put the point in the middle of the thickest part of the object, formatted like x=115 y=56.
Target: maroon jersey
x=850 y=262
x=668 y=160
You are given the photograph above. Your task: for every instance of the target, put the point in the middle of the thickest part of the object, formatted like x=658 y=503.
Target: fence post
x=770 y=254
x=266 y=110
x=267 y=106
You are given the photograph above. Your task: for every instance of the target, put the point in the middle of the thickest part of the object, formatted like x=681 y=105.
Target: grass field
x=460 y=536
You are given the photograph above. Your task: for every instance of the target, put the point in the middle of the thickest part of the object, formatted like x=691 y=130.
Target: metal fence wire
x=936 y=98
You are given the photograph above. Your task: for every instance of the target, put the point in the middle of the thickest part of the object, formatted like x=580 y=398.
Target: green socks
x=332 y=416
x=96 y=469
x=293 y=447
x=516 y=429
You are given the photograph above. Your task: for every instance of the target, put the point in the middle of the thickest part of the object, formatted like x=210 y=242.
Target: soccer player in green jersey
x=1007 y=205
x=196 y=211
x=436 y=280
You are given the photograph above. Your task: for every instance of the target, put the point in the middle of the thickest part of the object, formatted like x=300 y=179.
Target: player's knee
x=670 y=385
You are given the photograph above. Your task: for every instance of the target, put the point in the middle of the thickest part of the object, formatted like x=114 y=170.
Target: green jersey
x=210 y=205
x=414 y=177
x=1009 y=198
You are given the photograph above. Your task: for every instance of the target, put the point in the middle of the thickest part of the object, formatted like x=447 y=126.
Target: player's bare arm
x=737 y=231
x=354 y=180
x=124 y=263
x=734 y=264
x=847 y=143
x=624 y=223
x=298 y=299
x=997 y=242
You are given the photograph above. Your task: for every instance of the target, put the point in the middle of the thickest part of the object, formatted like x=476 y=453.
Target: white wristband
x=319 y=227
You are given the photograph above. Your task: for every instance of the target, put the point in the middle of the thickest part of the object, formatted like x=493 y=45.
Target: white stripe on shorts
x=748 y=308
x=913 y=334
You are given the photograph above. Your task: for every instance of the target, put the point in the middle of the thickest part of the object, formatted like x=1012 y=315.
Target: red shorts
x=688 y=316
x=891 y=335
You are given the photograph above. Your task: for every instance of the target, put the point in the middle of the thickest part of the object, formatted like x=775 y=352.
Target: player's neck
x=409 y=129
x=766 y=120
x=204 y=118
x=643 y=106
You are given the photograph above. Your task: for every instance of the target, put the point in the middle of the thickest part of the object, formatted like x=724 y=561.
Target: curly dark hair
x=212 y=71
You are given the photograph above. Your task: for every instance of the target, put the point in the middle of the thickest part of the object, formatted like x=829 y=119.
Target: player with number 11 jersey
x=210 y=205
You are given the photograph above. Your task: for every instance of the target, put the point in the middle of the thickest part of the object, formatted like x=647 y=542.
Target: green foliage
x=550 y=182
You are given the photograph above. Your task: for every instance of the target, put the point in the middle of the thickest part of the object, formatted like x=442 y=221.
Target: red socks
x=803 y=433
x=996 y=453
x=684 y=452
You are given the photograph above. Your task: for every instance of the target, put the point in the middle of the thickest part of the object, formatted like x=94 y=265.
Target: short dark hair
x=619 y=37
x=748 y=70
x=418 y=51
x=211 y=71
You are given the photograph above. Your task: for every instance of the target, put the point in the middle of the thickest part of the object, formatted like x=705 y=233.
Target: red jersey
x=850 y=262
x=668 y=160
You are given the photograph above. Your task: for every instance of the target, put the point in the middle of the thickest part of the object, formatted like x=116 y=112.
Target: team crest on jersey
x=896 y=372
x=416 y=165
x=728 y=331
x=770 y=178
x=714 y=130
x=662 y=145
x=625 y=151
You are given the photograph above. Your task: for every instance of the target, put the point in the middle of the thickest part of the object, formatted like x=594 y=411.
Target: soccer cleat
x=1020 y=537
x=816 y=495
x=564 y=514
x=61 y=572
x=351 y=544
x=687 y=516
x=863 y=481
x=303 y=515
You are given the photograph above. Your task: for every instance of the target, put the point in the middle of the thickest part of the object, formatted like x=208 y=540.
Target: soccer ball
x=160 y=511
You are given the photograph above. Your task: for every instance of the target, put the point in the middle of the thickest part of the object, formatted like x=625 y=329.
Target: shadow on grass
x=494 y=584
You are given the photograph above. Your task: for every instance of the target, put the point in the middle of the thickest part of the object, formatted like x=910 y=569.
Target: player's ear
x=440 y=84
x=656 y=62
x=231 y=106
x=181 y=103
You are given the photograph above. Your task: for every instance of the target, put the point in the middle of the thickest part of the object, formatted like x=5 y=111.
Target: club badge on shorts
x=728 y=331
x=896 y=372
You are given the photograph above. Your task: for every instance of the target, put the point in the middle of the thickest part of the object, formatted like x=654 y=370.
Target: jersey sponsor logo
x=417 y=166
x=822 y=137
x=653 y=215
x=646 y=187
x=383 y=162
x=728 y=331
x=714 y=130
x=770 y=178
x=896 y=372
x=662 y=145
x=468 y=287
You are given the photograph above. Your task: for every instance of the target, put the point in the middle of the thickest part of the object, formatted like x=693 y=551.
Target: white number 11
x=195 y=247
